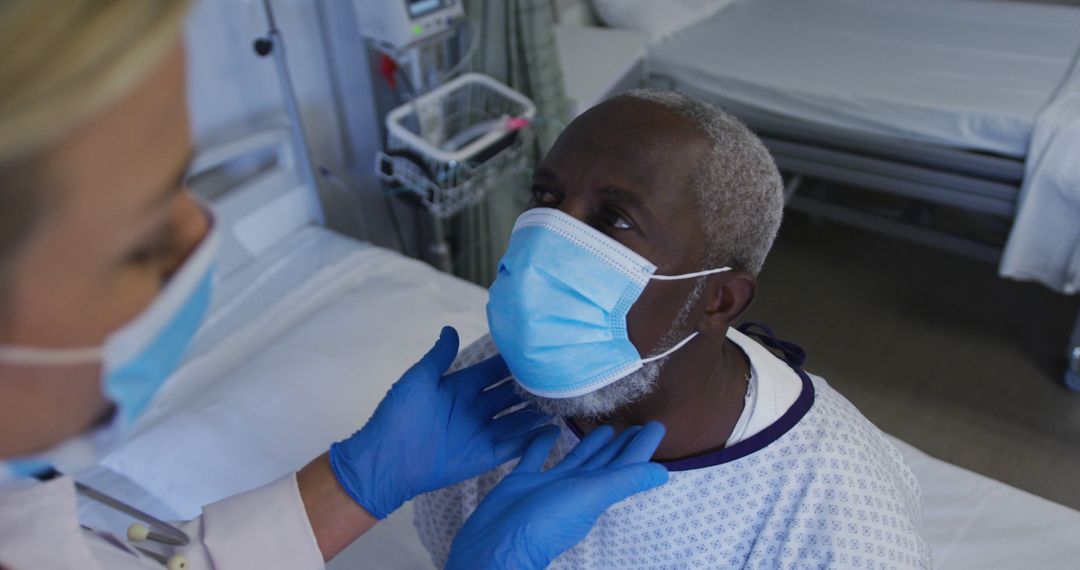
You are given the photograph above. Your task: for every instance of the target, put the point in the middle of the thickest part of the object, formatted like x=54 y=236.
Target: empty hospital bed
x=968 y=104
x=309 y=329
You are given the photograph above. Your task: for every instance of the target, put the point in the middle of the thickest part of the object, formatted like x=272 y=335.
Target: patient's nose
x=577 y=208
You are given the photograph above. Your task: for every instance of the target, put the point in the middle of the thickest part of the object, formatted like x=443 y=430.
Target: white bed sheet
x=971 y=74
x=1044 y=244
x=307 y=366
x=974 y=522
x=247 y=292
x=305 y=370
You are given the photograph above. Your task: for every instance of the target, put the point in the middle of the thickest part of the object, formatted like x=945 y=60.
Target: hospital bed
x=309 y=329
x=950 y=102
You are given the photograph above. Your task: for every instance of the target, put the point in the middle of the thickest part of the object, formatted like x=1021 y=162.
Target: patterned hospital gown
x=821 y=488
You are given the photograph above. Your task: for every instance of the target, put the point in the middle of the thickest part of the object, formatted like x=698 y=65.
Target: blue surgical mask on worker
x=136 y=360
x=557 y=309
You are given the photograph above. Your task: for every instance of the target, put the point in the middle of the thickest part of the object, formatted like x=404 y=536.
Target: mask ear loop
x=668 y=352
x=689 y=275
x=40 y=356
x=683 y=342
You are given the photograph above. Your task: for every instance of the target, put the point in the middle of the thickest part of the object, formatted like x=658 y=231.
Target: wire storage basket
x=449 y=145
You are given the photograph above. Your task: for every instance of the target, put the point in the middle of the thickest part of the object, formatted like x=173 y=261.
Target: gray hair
x=740 y=191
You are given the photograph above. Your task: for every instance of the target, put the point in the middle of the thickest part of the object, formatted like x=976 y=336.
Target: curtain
x=517 y=46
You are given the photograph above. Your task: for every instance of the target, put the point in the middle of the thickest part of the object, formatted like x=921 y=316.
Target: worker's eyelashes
x=158 y=246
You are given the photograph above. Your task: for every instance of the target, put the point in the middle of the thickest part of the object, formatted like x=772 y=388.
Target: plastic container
x=448 y=145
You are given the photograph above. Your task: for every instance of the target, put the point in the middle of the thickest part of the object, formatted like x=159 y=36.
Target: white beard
x=603 y=402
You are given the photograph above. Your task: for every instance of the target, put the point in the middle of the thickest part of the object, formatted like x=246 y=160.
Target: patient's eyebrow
x=628 y=197
x=545 y=172
x=632 y=201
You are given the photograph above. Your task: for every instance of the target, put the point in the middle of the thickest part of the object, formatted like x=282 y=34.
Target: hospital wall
x=233 y=91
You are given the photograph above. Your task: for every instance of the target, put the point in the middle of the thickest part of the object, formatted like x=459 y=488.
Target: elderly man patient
x=616 y=302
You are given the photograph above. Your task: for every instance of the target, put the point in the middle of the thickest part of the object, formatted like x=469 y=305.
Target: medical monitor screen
x=418 y=8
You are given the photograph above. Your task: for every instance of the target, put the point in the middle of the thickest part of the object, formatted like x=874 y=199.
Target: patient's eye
x=616 y=219
x=544 y=197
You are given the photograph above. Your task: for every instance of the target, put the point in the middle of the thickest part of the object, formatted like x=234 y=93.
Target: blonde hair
x=66 y=59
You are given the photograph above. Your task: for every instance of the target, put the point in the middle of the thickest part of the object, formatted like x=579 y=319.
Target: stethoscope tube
x=168 y=534
x=154 y=529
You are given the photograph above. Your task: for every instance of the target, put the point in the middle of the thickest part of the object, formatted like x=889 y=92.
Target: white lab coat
x=265 y=528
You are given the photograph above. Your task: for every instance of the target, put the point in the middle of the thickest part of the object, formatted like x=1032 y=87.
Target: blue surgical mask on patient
x=557 y=309
x=136 y=360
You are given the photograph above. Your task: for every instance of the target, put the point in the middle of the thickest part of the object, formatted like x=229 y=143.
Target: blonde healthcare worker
x=105 y=273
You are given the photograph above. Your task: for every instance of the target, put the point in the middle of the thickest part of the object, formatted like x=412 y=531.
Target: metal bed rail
x=965 y=180
x=908 y=180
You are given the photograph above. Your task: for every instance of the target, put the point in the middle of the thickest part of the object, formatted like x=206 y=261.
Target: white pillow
x=659 y=19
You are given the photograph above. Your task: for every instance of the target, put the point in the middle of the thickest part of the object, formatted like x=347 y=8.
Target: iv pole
x=274 y=44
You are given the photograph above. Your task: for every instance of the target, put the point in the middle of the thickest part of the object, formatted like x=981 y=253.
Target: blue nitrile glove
x=533 y=516
x=432 y=430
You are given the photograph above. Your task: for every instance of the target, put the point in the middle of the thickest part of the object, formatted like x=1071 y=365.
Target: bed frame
x=966 y=180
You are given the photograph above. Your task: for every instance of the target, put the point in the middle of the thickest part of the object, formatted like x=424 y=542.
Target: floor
x=933 y=348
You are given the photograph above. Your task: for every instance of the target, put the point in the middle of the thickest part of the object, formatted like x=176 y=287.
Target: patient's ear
x=727 y=296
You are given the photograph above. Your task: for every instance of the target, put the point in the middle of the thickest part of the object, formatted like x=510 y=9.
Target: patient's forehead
x=641 y=144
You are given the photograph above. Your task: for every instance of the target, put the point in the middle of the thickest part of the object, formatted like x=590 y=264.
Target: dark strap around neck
x=792 y=353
